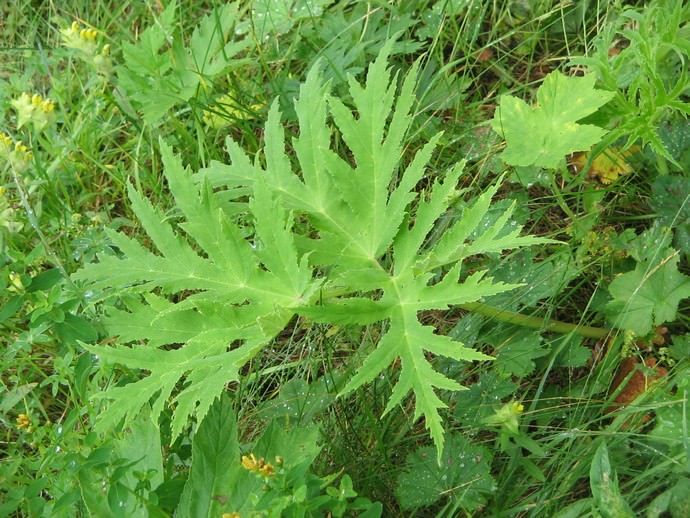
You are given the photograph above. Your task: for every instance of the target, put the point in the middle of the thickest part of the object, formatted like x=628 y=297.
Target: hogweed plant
x=310 y=234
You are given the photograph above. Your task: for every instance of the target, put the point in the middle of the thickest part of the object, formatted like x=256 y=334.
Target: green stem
x=509 y=317
x=560 y=200
x=555 y=326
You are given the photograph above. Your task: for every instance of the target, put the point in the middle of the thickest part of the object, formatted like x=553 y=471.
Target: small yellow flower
x=34 y=109
x=5 y=145
x=231 y=515
x=507 y=417
x=80 y=39
x=267 y=470
x=24 y=422
x=84 y=40
x=18 y=156
x=249 y=462
x=260 y=466
x=88 y=34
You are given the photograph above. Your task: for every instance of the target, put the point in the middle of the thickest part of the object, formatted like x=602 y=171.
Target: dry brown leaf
x=637 y=384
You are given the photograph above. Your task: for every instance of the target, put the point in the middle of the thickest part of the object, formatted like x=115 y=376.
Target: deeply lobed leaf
x=232 y=274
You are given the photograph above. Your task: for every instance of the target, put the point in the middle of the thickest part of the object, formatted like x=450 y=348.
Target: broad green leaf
x=482 y=399
x=604 y=484
x=674 y=501
x=215 y=463
x=516 y=350
x=671 y=432
x=214 y=316
x=649 y=295
x=573 y=354
x=680 y=498
x=541 y=135
x=462 y=476
x=13 y=396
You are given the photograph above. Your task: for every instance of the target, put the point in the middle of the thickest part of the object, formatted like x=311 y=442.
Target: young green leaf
x=543 y=134
x=157 y=77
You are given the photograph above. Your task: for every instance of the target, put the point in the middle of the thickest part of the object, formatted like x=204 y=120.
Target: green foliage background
x=304 y=257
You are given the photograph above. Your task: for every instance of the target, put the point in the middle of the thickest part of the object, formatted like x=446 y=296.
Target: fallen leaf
x=606 y=167
x=638 y=383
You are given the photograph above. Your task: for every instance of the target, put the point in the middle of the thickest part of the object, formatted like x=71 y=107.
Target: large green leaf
x=229 y=276
x=541 y=135
x=671 y=201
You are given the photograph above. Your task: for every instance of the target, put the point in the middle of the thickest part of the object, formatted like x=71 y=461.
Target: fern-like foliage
x=222 y=286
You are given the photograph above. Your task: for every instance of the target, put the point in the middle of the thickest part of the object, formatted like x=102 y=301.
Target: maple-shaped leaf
x=232 y=273
x=543 y=134
x=649 y=295
x=463 y=476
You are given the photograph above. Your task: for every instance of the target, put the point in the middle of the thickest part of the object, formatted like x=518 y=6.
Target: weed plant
x=316 y=258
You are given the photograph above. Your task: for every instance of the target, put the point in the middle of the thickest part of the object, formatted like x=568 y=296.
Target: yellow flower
x=24 y=422
x=34 y=109
x=507 y=417
x=5 y=145
x=260 y=466
x=267 y=470
x=18 y=155
x=249 y=462
x=88 y=34
x=231 y=515
x=517 y=408
x=84 y=40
